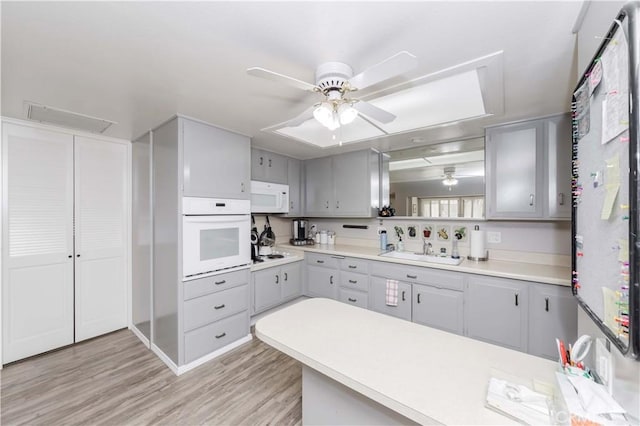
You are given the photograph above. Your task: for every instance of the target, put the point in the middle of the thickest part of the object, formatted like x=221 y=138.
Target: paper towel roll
x=478 y=246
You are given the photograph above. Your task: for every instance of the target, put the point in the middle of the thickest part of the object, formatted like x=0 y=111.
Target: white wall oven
x=215 y=236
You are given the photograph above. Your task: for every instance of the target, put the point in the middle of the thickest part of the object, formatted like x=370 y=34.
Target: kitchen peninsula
x=388 y=370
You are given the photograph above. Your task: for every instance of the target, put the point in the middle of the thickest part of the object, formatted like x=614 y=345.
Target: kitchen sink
x=422 y=257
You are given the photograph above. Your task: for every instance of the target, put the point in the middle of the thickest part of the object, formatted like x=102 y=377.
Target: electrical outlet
x=494 y=237
x=603 y=363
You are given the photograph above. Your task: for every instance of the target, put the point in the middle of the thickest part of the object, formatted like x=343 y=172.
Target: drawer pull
x=277 y=279
x=261 y=161
x=418 y=297
x=319 y=261
x=286 y=277
x=352 y=266
x=352 y=300
x=403 y=299
x=219 y=306
x=546 y=304
x=269 y=162
x=516 y=299
x=220 y=282
x=413 y=277
x=220 y=336
x=531 y=200
x=353 y=281
x=331 y=279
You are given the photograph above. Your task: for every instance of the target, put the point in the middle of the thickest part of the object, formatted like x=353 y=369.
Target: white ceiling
x=139 y=63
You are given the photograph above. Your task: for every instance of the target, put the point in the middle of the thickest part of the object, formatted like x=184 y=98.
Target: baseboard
x=164 y=358
x=140 y=336
x=198 y=362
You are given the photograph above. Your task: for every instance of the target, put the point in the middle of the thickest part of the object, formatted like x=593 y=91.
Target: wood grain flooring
x=116 y=380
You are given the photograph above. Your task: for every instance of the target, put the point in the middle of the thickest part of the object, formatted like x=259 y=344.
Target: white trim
x=580 y=18
x=129 y=245
x=66 y=130
x=140 y=336
x=198 y=362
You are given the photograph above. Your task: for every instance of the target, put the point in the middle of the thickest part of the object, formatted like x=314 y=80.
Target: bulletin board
x=605 y=187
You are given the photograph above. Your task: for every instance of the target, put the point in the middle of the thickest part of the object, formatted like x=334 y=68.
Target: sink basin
x=422 y=257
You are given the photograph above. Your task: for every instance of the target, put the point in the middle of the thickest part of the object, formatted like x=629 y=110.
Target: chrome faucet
x=427 y=248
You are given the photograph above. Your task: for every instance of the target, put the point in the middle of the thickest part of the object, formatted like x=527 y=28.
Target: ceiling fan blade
x=296 y=121
x=281 y=78
x=397 y=64
x=374 y=112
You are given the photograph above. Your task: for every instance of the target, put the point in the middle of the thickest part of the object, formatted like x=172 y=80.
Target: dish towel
x=392 y=293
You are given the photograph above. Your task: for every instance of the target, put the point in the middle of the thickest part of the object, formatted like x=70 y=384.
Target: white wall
x=626 y=385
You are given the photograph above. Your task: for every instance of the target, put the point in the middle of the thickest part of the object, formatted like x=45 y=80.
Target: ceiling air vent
x=60 y=117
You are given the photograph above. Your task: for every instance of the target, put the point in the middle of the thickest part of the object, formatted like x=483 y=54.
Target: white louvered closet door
x=101 y=244
x=37 y=288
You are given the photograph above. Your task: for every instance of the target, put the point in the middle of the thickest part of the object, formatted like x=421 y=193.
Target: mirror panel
x=444 y=180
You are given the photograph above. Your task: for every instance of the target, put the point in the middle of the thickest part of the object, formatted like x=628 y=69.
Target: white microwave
x=215 y=236
x=269 y=197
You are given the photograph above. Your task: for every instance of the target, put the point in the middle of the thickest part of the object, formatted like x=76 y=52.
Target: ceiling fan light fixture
x=324 y=114
x=347 y=113
x=449 y=181
x=334 y=122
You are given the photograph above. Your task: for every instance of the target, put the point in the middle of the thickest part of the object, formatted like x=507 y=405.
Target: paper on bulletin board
x=623 y=254
x=615 y=106
x=610 y=299
x=595 y=76
x=582 y=108
x=612 y=186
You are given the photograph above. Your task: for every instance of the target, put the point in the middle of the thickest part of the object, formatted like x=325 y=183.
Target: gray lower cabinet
x=322 y=282
x=552 y=314
x=496 y=311
x=268 y=166
x=439 y=308
x=378 y=301
x=274 y=286
x=215 y=313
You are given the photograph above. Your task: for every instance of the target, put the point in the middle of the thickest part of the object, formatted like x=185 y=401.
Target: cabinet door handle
x=331 y=279
x=219 y=306
x=418 y=297
x=531 y=199
x=327 y=206
x=352 y=266
x=242 y=187
x=353 y=281
x=220 y=336
x=352 y=300
x=291 y=204
x=70 y=256
x=269 y=162
x=277 y=279
x=337 y=204
x=403 y=292
x=77 y=255
x=261 y=161
x=413 y=277
x=546 y=304
x=561 y=199
x=516 y=299
x=319 y=261
x=286 y=277
x=220 y=282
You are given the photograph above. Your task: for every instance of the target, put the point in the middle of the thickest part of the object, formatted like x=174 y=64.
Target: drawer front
x=204 y=340
x=355 y=281
x=352 y=264
x=212 y=307
x=378 y=293
x=353 y=297
x=432 y=277
x=197 y=288
x=323 y=260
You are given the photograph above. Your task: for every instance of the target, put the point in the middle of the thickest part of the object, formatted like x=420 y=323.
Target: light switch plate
x=603 y=363
x=494 y=237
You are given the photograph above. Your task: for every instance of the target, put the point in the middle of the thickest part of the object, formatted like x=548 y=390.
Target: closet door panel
x=37 y=287
x=101 y=244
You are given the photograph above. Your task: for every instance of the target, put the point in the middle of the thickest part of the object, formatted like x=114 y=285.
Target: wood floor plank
x=116 y=380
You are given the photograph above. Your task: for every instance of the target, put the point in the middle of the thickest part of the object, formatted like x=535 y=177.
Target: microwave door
x=212 y=243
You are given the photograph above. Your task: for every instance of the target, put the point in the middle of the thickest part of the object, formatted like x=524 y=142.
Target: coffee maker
x=300 y=233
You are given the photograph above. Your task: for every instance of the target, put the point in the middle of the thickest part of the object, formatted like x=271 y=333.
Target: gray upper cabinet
x=496 y=311
x=296 y=188
x=207 y=169
x=268 y=167
x=552 y=314
x=346 y=185
x=528 y=169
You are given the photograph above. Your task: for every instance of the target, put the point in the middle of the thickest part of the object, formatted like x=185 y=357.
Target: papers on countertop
x=518 y=402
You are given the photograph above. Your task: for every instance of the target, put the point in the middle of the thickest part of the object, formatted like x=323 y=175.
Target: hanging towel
x=392 y=293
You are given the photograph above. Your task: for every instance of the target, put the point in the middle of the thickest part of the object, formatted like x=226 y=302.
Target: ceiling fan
x=335 y=82
x=449 y=177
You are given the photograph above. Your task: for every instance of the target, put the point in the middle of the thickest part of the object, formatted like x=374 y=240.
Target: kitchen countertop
x=548 y=274
x=420 y=372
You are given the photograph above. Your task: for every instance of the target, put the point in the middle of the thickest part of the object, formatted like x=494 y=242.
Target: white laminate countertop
x=548 y=274
x=422 y=373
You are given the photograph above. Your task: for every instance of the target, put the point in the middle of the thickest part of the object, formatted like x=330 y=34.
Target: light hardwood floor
x=116 y=380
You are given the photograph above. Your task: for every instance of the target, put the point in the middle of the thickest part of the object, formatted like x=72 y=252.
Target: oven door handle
x=237 y=218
